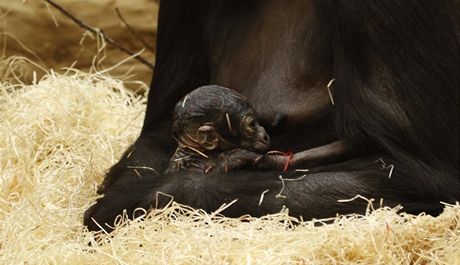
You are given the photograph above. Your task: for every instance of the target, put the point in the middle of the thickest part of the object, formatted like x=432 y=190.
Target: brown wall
x=58 y=42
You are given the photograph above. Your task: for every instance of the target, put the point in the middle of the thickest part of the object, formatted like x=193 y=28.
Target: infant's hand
x=238 y=158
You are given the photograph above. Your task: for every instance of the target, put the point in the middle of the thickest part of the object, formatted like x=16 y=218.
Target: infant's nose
x=265 y=137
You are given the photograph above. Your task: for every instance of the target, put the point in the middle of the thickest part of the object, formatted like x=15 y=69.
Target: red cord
x=289 y=156
x=287 y=162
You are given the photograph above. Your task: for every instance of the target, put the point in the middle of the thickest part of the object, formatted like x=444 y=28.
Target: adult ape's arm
x=181 y=65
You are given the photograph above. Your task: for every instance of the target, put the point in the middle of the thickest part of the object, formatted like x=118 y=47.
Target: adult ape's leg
x=314 y=195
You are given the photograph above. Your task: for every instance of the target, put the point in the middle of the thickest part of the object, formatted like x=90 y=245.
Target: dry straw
x=59 y=136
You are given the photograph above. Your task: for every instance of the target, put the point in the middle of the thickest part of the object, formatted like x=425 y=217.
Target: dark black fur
x=396 y=64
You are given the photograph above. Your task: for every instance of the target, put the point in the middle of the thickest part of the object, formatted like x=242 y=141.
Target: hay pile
x=58 y=137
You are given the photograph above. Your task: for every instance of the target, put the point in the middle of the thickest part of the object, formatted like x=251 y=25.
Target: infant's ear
x=208 y=137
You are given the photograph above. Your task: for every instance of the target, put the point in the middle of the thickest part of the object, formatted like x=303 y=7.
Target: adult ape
x=394 y=103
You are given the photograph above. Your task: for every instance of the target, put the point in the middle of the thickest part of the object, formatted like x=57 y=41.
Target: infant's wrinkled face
x=215 y=118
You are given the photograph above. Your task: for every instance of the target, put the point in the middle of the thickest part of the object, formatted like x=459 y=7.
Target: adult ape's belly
x=280 y=105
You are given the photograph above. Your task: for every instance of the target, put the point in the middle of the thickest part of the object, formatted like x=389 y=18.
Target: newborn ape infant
x=216 y=130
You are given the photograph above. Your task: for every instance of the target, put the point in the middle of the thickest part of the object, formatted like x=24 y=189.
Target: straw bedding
x=58 y=137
